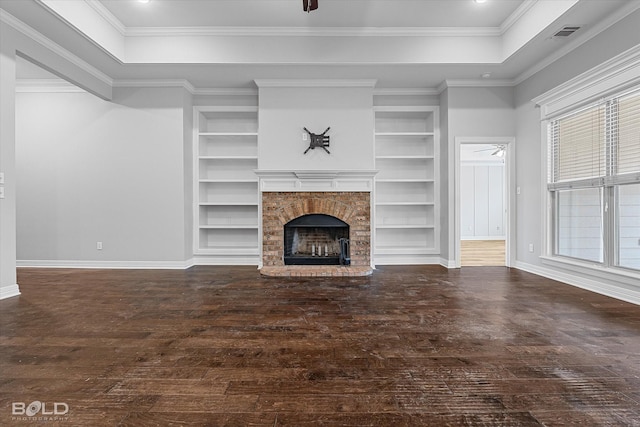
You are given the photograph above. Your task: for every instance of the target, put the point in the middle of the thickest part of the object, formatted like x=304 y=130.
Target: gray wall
x=90 y=170
x=530 y=202
x=471 y=112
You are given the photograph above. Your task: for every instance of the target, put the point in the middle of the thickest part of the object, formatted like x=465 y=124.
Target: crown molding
x=315 y=83
x=516 y=15
x=426 y=91
x=616 y=74
x=107 y=16
x=181 y=83
x=451 y=83
x=46 y=86
x=314 y=32
x=21 y=27
x=226 y=91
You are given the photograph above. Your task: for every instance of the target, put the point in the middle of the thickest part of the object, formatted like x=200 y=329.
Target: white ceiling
x=330 y=13
x=400 y=43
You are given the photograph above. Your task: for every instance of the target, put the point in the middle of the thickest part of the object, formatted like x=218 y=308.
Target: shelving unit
x=226 y=187
x=406 y=191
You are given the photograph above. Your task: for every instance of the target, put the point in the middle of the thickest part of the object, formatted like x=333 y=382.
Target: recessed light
x=486 y=75
x=144 y=1
x=480 y=1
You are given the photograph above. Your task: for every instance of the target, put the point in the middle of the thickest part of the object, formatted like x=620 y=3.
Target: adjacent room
x=320 y=212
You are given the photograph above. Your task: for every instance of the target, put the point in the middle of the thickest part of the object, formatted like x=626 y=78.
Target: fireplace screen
x=315 y=239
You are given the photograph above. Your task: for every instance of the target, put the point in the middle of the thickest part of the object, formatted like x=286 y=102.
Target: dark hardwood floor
x=407 y=346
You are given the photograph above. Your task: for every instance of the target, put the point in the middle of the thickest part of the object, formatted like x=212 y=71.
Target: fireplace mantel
x=316 y=180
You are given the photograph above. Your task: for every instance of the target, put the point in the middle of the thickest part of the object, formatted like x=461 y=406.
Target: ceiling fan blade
x=309 y=5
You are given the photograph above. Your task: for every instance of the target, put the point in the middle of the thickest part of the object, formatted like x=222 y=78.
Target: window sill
x=593 y=270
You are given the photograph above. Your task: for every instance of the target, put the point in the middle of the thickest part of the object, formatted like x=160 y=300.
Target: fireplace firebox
x=316 y=239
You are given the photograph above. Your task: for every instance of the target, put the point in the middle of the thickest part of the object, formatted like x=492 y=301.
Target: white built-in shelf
x=406 y=195
x=226 y=187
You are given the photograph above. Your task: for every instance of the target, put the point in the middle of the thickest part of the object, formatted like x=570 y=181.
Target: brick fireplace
x=281 y=207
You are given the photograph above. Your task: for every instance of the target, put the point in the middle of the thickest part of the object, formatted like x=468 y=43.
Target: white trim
x=226 y=260
x=476 y=83
x=319 y=180
x=107 y=16
x=616 y=74
x=15 y=23
x=406 y=91
x=401 y=259
x=226 y=91
x=367 y=83
x=9 y=291
x=603 y=287
x=163 y=265
x=516 y=15
x=46 y=86
x=156 y=83
x=314 y=31
x=448 y=263
x=510 y=198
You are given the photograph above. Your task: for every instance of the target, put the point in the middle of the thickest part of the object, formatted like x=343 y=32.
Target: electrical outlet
x=99 y=246
x=1 y=192
x=530 y=247
x=1 y=177
x=518 y=190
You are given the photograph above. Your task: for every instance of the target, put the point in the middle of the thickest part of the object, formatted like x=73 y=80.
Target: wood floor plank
x=479 y=253
x=406 y=346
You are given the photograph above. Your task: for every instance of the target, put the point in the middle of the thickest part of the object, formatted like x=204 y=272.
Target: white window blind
x=628 y=134
x=578 y=145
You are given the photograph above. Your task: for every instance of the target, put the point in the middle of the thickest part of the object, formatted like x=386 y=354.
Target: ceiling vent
x=566 y=31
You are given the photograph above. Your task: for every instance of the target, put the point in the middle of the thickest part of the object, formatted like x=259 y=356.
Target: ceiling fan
x=309 y=5
x=498 y=150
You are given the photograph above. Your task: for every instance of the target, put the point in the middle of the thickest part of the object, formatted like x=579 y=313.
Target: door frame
x=509 y=186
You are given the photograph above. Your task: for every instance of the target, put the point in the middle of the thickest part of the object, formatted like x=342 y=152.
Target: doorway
x=483 y=206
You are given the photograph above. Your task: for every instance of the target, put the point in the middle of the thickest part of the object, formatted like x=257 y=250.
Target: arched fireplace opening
x=316 y=239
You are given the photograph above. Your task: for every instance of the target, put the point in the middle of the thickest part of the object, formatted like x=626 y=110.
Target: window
x=594 y=182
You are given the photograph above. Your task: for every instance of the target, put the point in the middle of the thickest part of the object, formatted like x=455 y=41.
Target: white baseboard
x=597 y=286
x=225 y=260
x=9 y=291
x=153 y=265
x=447 y=263
x=395 y=259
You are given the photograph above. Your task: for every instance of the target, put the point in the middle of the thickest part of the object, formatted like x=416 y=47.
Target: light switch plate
x=1 y=192
x=1 y=177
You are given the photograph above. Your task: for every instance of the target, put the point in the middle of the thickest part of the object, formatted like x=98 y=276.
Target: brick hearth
x=278 y=208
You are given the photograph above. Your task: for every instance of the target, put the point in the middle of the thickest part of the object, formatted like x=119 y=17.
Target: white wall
x=482 y=201
x=285 y=111
x=91 y=170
